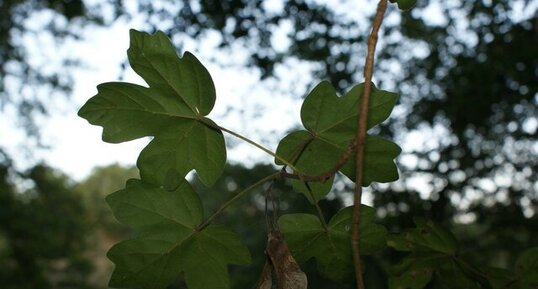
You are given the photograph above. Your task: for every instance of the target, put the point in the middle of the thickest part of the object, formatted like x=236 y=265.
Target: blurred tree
x=28 y=77
x=43 y=228
x=101 y=182
x=104 y=229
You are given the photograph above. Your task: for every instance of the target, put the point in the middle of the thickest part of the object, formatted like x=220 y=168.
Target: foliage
x=93 y=191
x=42 y=228
x=434 y=259
x=329 y=243
x=173 y=237
x=447 y=78
x=331 y=124
x=169 y=240
x=444 y=67
x=172 y=234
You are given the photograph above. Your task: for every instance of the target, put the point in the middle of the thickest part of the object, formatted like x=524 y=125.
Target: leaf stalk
x=236 y=197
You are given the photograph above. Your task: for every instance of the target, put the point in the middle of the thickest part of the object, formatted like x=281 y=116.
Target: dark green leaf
x=379 y=155
x=527 y=266
x=427 y=236
x=461 y=274
x=307 y=239
x=500 y=278
x=172 y=109
x=331 y=124
x=169 y=243
x=415 y=271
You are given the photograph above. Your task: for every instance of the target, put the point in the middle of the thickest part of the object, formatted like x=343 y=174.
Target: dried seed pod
x=266 y=278
x=287 y=272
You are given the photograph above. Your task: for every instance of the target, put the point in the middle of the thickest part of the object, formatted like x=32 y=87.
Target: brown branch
x=361 y=140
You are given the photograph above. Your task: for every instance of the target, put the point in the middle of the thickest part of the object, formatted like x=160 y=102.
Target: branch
x=361 y=140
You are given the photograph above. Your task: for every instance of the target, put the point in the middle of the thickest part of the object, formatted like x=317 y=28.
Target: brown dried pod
x=266 y=277
x=287 y=272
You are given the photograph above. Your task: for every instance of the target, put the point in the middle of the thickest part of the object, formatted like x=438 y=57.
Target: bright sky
x=263 y=112
x=76 y=146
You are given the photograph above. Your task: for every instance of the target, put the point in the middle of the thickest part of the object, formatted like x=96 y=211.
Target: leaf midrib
x=145 y=110
x=168 y=82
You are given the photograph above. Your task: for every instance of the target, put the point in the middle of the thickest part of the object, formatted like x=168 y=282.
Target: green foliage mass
x=167 y=213
x=40 y=226
x=330 y=244
x=174 y=239
x=435 y=260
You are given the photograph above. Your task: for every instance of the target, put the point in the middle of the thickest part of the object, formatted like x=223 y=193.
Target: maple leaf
x=331 y=125
x=331 y=246
x=169 y=242
x=172 y=110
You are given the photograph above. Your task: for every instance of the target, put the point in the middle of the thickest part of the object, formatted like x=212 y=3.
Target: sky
x=75 y=146
x=262 y=111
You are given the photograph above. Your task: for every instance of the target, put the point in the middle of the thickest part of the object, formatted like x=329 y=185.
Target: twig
x=318 y=209
x=323 y=177
x=361 y=140
x=235 y=197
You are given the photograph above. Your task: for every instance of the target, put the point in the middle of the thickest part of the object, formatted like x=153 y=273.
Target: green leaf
x=307 y=238
x=433 y=251
x=331 y=124
x=379 y=155
x=415 y=271
x=527 y=267
x=500 y=278
x=461 y=274
x=405 y=4
x=427 y=236
x=172 y=110
x=169 y=243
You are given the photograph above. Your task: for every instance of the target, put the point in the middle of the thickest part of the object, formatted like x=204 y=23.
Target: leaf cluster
x=435 y=260
x=173 y=236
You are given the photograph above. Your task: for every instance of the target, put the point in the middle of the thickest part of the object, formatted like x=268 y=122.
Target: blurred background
x=467 y=120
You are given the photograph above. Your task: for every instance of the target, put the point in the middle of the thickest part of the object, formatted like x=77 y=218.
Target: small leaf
x=308 y=238
x=331 y=124
x=172 y=110
x=168 y=242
